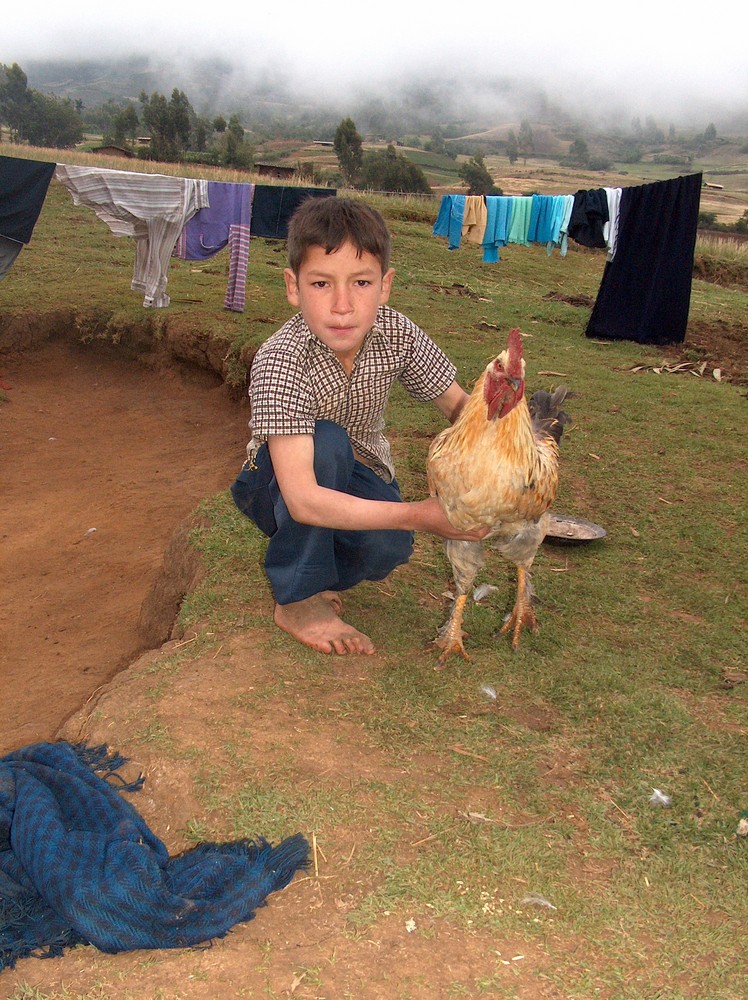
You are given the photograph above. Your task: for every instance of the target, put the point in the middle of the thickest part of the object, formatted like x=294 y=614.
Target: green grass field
x=636 y=680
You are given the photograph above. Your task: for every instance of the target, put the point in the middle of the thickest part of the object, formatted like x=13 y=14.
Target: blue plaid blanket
x=79 y=865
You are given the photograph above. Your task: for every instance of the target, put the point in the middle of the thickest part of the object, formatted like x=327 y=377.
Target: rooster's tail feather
x=547 y=416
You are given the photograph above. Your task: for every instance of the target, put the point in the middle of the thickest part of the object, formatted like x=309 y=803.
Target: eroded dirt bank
x=91 y=440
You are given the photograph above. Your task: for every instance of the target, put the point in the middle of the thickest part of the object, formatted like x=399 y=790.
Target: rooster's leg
x=523 y=612
x=466 y=559
x=450 y=635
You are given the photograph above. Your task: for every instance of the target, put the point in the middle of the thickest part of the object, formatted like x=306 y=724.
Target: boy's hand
x=432 y=518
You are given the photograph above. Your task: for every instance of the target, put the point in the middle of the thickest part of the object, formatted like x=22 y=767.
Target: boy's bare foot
x=315 y=622
x=333 y=598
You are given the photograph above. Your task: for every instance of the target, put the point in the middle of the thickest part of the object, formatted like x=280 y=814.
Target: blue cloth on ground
x=79 y=865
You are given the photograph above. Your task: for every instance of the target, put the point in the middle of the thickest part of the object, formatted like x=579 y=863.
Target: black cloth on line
x=645 y=292
x=273 y=205
x=588 y=217
x=23 y=188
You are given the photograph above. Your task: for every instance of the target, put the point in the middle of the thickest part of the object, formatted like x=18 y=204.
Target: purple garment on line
x=224 y=223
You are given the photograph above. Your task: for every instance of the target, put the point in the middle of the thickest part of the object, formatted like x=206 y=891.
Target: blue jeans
x=302 y=559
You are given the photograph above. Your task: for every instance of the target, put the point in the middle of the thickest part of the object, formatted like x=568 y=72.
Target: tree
x=710 y=132
x=436 y=143
x=16 y=99
x=200 y=132
x=388 y=171
x=512 y=147
x=652 y=133
x=475 y=174
x=53 y=123
x=349 y=150
x=181 y=114
x=525 y=140
x=168 y=124
x=125 y=124
x=36 y=117
x=219 y=124
x=237 y=152
x=579 y=153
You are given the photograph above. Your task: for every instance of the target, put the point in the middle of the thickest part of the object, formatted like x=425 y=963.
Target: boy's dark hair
x=331 y=222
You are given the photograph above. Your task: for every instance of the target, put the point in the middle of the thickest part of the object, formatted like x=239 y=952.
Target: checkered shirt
x=296 y=379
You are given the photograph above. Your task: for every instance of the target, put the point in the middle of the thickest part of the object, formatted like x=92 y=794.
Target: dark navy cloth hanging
x=23 y=188
x=645 y=290
x=588 y=217
x=273 y=205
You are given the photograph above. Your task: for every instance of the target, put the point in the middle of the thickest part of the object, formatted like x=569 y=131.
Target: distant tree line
x=177 y=133
x=34 y=117
x=174 y=130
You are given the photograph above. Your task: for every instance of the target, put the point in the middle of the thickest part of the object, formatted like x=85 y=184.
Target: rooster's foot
x=448 y=647
x=522 y=615
x=450 y=636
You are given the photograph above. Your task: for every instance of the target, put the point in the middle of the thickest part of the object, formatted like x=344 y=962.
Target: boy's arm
x=451 y=401
x=308 y=503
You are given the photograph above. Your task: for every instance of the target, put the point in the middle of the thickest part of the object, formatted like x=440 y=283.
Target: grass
x=623 y=689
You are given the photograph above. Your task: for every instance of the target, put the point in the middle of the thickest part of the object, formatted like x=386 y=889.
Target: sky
x=641 y=54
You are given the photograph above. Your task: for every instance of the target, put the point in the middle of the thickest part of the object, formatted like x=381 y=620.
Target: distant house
x=273 y=170
x=322 y=142
x=113 y=151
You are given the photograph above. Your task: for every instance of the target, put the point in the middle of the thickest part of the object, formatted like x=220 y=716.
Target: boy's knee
x=251 y=494
x=393 y=548
x=333 y=454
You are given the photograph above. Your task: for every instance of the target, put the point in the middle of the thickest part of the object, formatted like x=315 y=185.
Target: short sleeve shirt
x=296 y=379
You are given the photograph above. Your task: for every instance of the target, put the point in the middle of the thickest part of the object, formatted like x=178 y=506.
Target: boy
x=319 y=480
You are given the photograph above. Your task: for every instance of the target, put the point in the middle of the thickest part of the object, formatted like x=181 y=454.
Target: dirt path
x=93 y=441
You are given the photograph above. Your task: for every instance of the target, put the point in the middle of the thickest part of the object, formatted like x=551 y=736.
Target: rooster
x=497 y=467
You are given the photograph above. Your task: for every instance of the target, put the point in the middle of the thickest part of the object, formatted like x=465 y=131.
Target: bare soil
x=94 y=441
x=102 y=459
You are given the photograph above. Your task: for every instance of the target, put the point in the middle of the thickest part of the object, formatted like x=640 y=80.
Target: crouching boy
x=319 y=480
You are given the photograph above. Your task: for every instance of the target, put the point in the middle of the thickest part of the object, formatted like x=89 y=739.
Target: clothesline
x=649 y=231
x=166 y=216
x=494 y=221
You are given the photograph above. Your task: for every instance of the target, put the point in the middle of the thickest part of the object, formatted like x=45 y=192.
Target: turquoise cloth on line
x=449 y=220
x=79 y=865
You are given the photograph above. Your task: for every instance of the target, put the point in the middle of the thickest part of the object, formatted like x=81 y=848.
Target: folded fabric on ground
x=78 y=864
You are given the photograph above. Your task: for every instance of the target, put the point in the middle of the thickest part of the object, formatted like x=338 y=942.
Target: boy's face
x=338 y=295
